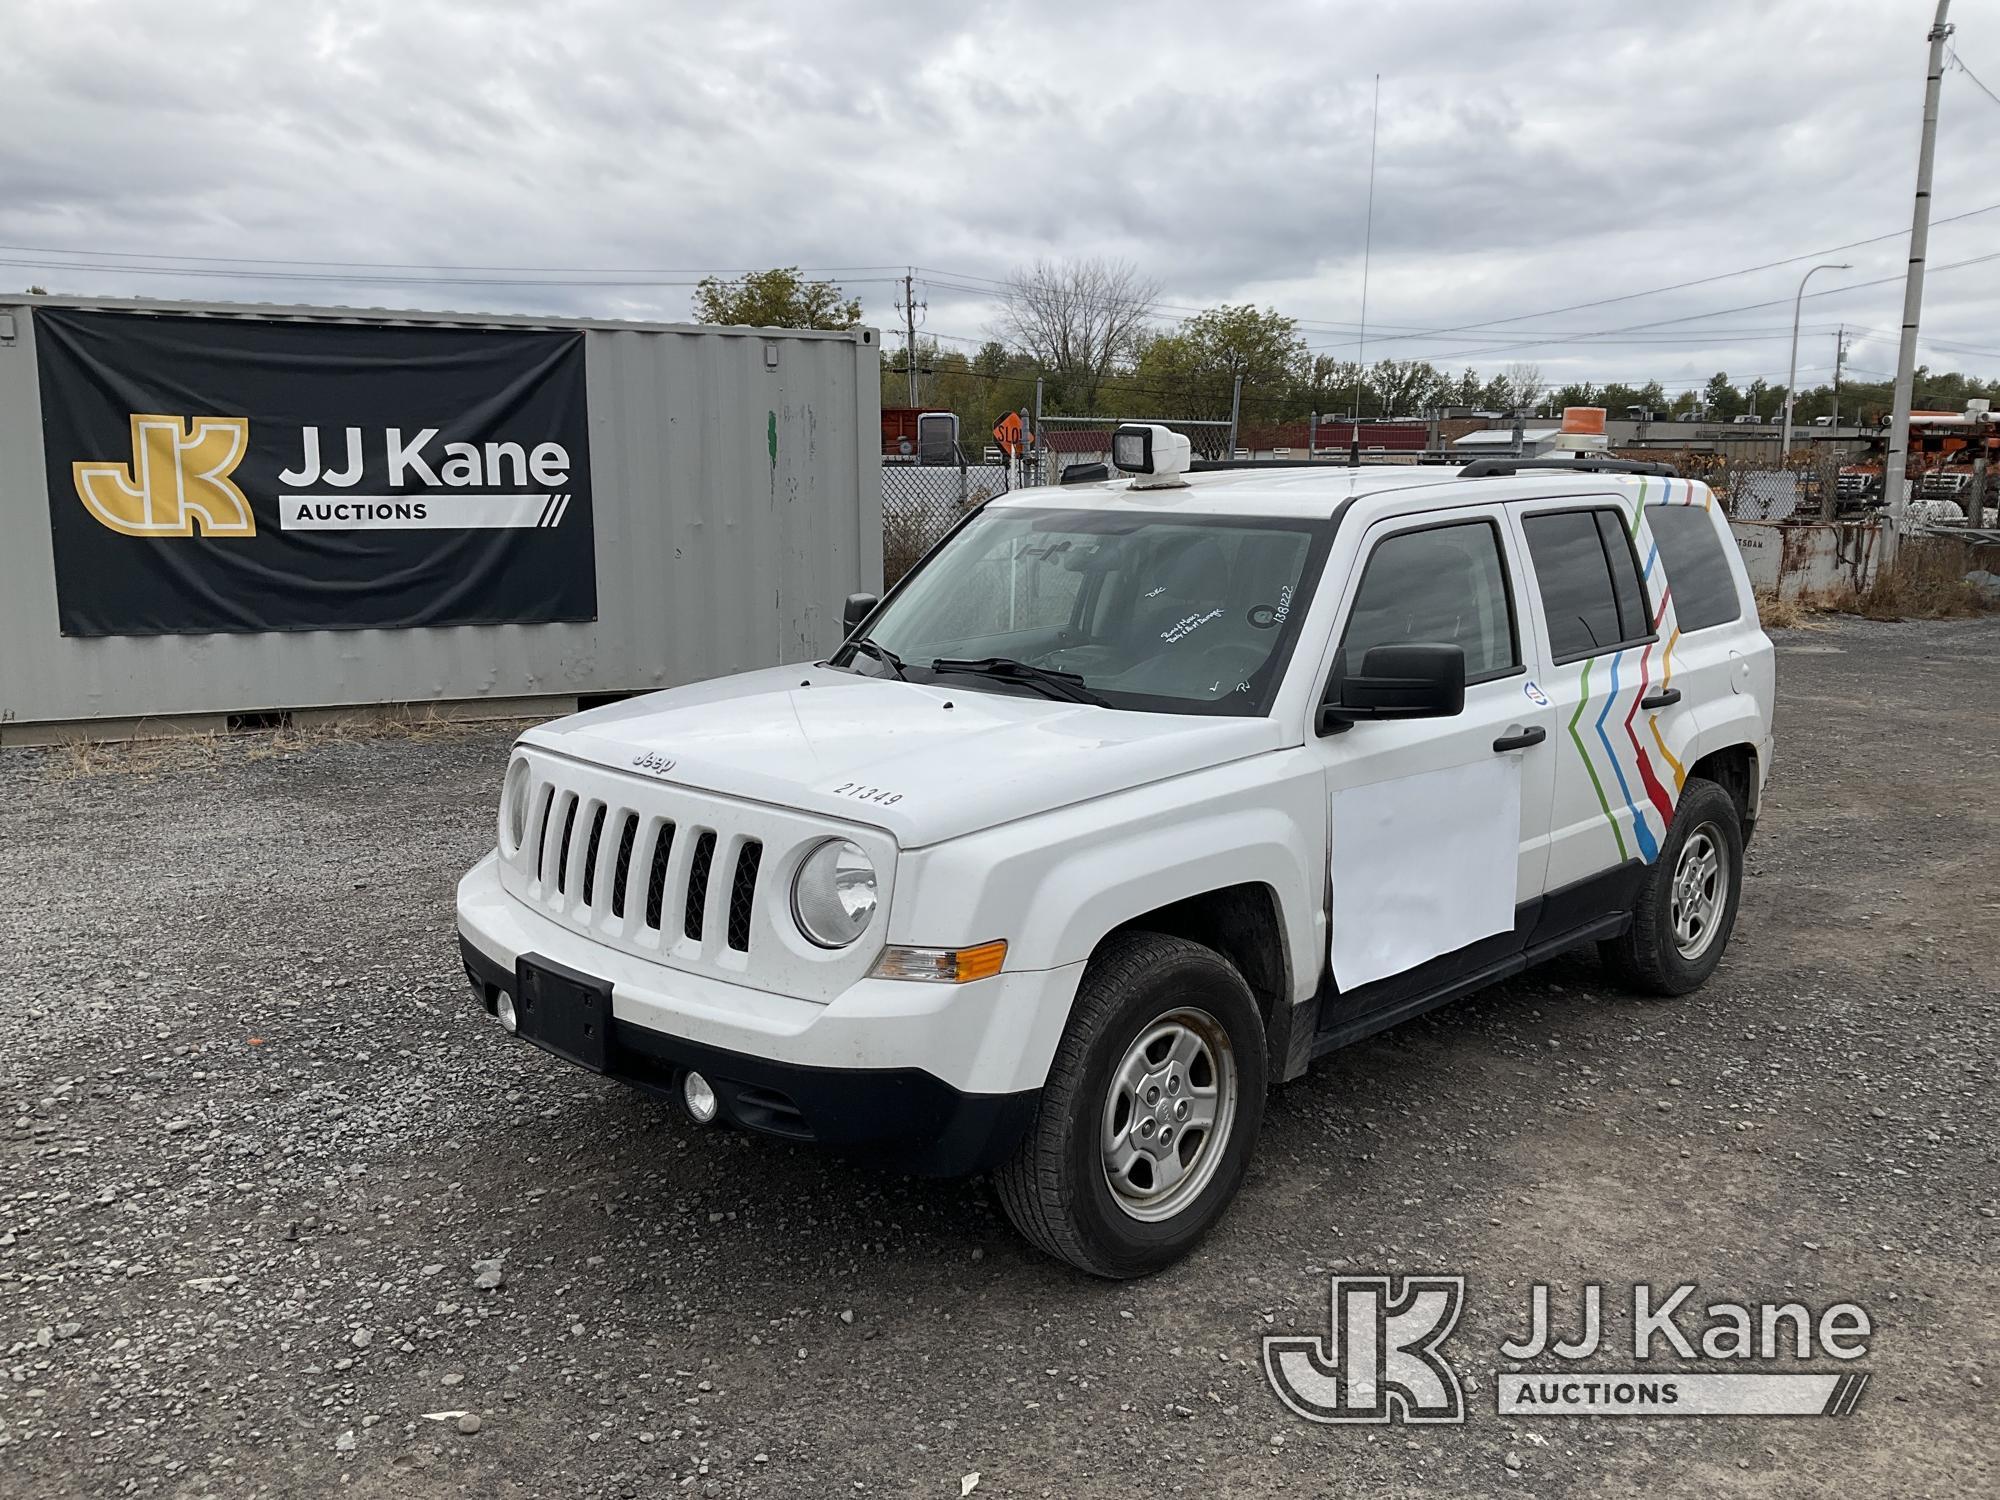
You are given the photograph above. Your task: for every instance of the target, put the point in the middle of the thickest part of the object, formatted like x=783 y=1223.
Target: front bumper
x=935 y=1079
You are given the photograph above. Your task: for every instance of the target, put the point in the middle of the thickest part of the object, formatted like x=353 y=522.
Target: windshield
x=1164 y=613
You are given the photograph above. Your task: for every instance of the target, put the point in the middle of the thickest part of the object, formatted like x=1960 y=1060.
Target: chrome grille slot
x=698 y=870
x=621 y=863
x=743 y=894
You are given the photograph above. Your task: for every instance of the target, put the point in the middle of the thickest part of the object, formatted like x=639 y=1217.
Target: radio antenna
x=1367 y=250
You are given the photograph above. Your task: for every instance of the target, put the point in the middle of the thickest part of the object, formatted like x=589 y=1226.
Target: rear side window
x=1697 y=568
x=1589 y=581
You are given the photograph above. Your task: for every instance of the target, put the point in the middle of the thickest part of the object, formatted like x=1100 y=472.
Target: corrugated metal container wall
x=737 y=503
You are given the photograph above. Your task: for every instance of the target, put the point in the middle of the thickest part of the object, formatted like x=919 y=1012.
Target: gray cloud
x=1531 y=157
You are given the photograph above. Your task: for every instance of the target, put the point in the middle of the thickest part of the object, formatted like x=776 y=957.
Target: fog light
x=699 y=1095
x=504 y=1009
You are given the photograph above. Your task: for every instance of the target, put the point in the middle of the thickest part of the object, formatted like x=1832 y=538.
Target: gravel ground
x=276 y=1205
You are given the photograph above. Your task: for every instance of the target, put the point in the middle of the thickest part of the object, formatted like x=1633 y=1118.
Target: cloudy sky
x=596 y=156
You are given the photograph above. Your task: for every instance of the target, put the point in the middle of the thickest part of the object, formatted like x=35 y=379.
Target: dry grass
x=400 y=722
x=1783 y=614
x=1927 y=583
x=82 y=758
x=906 y=537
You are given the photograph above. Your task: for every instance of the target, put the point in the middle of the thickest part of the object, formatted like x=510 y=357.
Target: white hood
x=955 y=758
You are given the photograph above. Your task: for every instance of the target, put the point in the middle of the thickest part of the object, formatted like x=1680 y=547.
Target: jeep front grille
x=586 y=875
x=678 y=876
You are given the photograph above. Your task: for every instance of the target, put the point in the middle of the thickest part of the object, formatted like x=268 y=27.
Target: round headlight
x=514 y=804
x=833 y=895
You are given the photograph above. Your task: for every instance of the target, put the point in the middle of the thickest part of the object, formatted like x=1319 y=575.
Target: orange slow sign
x=1007 y=432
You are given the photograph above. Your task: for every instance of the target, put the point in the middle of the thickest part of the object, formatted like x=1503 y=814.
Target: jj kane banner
x=228 y=474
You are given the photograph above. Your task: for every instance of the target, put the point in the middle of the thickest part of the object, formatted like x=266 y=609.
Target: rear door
x=1437 y=828
x=1599 y=601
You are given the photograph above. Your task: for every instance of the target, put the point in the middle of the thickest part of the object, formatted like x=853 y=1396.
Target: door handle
x=1665 y=698
x=1533 y=735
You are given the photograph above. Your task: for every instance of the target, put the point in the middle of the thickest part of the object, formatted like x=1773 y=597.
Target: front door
x=1437 y=828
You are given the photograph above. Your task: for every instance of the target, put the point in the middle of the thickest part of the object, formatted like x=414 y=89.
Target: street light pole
x=1792 y=378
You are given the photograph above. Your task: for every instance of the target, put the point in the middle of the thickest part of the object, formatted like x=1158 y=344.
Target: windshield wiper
x=884 y=655
x=1067 y=685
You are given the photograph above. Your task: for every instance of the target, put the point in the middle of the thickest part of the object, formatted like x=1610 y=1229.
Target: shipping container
x=729 y=501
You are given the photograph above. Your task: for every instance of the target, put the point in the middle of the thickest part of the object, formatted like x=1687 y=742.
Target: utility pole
x=910 y=327
x=1829 y=496
x=1235 y=407
x=1913 y=294
x=1839 y=358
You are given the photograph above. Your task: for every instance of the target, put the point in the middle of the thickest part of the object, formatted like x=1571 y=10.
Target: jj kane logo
x=447 y=488
x=1381 y=1358
x=177 y=482
x=178 y=477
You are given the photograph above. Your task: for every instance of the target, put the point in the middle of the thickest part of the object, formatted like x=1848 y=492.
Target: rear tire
x=1687 y=907
x=1152 y=1106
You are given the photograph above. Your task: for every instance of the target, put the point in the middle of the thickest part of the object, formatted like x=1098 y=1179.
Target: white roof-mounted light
x=1155 y=456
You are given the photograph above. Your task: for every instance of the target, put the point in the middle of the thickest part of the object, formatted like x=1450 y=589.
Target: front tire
x=1144 y=1129
x=1687 y=908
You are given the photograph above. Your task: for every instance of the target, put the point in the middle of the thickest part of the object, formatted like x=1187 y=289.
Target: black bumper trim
x=901 y=1117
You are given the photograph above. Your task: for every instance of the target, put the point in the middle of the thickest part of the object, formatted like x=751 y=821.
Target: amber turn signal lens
x=941 y=965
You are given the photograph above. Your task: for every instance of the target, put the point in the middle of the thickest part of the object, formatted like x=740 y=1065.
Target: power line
x=1973 y=76
x=1852 y=286
x=409 y=265
x=357 y=279
x=991 y=287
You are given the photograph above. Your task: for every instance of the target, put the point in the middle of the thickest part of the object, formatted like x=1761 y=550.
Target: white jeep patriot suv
x=1131 y=800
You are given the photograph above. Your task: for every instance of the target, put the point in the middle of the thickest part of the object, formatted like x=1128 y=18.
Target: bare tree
x=1077 y=320
x=1524 y=386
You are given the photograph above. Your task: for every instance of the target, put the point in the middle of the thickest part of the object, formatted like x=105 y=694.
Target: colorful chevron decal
x=1649 y=847
x=1656 y=798
x=1583 y=702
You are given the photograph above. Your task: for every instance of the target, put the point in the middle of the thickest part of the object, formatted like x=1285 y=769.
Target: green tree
x=1721 y=399
x=1405 y=387
x=1198 y=363
x=778 y=298
x=1577 y=393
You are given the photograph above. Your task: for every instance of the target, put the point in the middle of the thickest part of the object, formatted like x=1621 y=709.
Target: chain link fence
x=921 y=503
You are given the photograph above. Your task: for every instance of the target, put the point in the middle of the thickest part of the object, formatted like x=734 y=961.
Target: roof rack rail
x=1330 y=465
x=1490 y=468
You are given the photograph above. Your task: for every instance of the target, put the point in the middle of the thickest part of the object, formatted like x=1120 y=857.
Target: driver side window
x=1444 y=584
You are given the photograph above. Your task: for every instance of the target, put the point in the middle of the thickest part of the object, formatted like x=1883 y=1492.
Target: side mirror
x=1420 y=680
x=857 y=609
